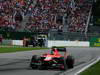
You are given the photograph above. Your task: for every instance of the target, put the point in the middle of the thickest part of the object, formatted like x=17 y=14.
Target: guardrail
x=76 y=43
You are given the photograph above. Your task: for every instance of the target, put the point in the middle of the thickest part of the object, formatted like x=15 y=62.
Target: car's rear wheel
x=70 y=62
x=62 y=61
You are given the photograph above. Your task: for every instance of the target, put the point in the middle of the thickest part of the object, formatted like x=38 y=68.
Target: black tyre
x=63 y=62
x=34 y=58
x=70 y=62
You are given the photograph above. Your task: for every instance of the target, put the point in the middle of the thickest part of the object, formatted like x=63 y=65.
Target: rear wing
x=60 y=49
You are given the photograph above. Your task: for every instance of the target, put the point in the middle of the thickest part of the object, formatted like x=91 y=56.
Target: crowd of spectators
x=44 y=14
x=12 y=13
x=79 y=15
x=48 y=14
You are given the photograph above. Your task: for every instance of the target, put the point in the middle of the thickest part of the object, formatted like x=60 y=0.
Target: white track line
x=84 y=68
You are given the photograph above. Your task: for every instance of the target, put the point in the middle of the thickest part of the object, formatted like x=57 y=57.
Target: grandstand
x=45 y=16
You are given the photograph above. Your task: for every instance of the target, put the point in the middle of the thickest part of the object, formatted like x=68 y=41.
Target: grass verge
x=93 y=70
x=8 y=49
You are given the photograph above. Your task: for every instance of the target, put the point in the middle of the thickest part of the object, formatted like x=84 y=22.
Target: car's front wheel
x=33 y=61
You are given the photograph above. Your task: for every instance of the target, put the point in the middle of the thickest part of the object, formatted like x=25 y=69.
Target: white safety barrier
x=50 y=43
x=68 y=43
x=17 y=42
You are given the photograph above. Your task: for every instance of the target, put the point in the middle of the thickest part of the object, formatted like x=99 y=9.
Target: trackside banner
x=95 y=42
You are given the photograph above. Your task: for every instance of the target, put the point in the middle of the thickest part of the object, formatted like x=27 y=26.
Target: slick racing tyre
x=70 y=62
x=33 y=59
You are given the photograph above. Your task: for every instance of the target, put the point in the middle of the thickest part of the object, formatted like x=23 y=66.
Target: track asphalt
x=18 y=63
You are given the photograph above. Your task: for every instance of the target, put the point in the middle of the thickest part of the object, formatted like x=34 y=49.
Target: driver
x=55 y=51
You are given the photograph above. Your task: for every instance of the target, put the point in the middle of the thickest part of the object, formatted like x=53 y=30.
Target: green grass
x=7 y=49
x=93 y=70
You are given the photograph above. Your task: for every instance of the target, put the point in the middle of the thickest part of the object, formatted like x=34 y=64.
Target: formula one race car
x=54 y=60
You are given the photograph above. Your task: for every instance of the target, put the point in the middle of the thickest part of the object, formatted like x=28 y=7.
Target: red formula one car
x=59 y=58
